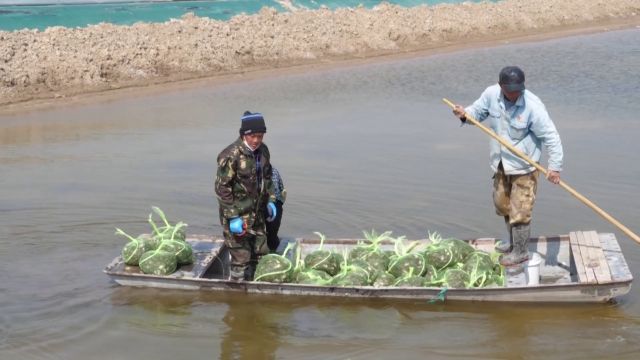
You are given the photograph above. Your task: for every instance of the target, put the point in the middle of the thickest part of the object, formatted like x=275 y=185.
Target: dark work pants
x=272 y=229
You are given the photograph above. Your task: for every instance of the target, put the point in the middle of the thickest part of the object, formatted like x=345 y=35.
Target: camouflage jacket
x=237 y=187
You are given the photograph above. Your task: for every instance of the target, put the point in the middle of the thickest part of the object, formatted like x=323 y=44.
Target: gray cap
x=511 y=78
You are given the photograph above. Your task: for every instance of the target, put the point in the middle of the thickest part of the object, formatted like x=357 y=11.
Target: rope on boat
x=441 y=296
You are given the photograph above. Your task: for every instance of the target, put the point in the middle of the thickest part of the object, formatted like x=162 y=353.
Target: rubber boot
x=249 y=271
x=505 y=245
x=520 y=252
x=237 y=273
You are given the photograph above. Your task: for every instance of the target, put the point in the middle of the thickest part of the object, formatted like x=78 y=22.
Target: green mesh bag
x=460 y=249
x=351 y=278
x=163 y=233
x=414 y=263
x=323 y=260
x=133 y=250
x=406 y=261
x=181 y=249
x=158 y=262
x=370 y=245
x=438 y=256
x=313 y=277
x=495 y=280
x=483 y=270
x=351 y=275
x=455 y=278
x=410 y=281
x=384 y=279
x=362 y=264
x=432 y=277
x=443 y=253
x=275 y=268
x=377 y=259
x=390 y=255
x=358 y=252
x=166 y=230
x=151 y=243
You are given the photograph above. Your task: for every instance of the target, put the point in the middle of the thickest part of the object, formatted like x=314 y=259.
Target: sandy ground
x=61 y=64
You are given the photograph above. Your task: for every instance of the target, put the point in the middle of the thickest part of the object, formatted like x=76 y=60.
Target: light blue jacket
x=526 y=125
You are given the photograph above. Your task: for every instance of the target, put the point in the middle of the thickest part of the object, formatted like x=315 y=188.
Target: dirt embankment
x=61 y=61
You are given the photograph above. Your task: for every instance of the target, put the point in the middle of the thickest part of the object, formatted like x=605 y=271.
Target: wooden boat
x=584 y=266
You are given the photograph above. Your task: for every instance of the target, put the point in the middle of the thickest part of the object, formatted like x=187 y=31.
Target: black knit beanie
x=252 y=123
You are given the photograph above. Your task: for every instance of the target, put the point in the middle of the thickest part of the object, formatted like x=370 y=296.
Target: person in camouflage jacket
x=244 y=190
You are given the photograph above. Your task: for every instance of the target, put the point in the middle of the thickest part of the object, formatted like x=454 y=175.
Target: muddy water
x=359 y=147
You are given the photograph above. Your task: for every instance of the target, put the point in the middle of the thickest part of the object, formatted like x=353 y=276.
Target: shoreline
x=35 y=99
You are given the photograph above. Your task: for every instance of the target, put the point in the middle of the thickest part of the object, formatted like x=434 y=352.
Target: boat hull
x=561 y=282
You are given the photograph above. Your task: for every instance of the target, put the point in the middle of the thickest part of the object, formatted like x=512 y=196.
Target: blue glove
x=272 y=210
x=236 y=225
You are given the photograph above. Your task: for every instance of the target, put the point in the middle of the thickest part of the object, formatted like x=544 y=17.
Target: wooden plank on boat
x=617 y=265
x=577 y=257
x=586 y=252
x=598 y=261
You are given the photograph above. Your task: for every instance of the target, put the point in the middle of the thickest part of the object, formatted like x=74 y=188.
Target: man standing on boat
x=244 y=189
x=519 y=117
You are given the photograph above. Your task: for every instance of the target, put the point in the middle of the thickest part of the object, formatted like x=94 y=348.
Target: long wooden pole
x=562 y=184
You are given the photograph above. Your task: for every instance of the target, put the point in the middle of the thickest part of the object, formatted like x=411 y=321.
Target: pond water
x=359 y=148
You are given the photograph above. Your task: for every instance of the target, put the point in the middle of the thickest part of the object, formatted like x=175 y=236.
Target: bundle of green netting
x=444 y=263
x=161 y=251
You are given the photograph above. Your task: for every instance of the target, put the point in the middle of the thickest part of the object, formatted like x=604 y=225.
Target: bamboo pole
x=562 y=184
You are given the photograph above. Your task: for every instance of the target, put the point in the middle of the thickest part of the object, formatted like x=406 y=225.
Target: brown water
x=361 y=147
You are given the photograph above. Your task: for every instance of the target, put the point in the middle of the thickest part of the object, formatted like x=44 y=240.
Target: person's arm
x=544 y=129
x=479 y=109
x=225 y=177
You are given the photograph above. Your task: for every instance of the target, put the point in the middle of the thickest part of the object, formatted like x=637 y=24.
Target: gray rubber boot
x=237 y=273
x=520 y=252
x=505 y=245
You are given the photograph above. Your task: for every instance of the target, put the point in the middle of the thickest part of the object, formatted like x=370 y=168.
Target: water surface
x=359 y=147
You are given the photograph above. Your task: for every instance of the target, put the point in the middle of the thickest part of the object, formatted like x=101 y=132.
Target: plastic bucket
x=532 y=268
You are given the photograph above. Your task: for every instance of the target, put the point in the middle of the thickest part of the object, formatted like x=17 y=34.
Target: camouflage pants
x=247 y=249
x=514 y=195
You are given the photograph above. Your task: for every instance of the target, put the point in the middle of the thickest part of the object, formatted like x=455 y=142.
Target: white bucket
x=532 y=268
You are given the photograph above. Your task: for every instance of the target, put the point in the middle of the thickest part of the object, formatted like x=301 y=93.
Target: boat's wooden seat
x=589 y=257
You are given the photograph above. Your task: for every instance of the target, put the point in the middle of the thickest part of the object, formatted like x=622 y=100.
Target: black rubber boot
x=505 y=245
x=250 y=271
x=520 y=252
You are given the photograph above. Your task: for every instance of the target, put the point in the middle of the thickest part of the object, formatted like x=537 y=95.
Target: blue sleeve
x=480 y=108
